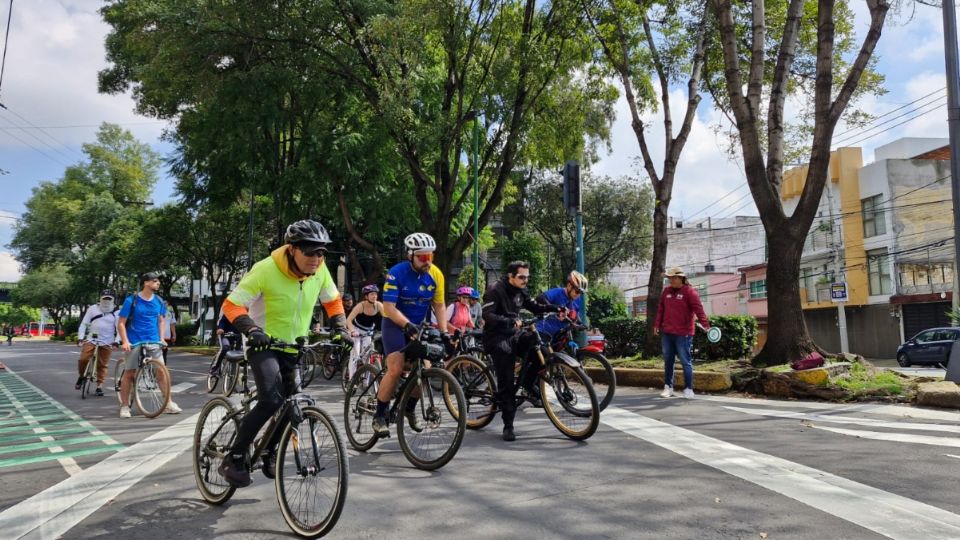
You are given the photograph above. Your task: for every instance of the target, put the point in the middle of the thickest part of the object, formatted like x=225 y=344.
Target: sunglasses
x=315 y=252
x=424 y=257
x=523 y=278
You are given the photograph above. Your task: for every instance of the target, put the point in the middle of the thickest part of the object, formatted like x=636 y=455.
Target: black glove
x=257 y=340
x=411 y=330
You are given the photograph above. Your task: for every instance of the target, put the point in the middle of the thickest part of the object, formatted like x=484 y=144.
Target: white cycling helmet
x=419 y=242
x=577 y=280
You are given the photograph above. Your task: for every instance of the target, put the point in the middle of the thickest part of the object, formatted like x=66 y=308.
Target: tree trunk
x=785 y=315
x=658 y=263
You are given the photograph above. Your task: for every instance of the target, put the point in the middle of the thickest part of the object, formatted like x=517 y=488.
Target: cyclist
x=363 y=320
x=458 y=313
x=275 y=300
x=223 y=327
x=101 y=319
x=570 y=296
x=141 y=319
x=504 y=340
x=476 y=310
x=412 y=287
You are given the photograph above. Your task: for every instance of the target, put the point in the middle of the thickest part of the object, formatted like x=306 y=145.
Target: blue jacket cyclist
x=570 y=296
x=412 y=288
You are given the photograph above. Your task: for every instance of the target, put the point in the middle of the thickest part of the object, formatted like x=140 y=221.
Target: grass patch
x=717 y=366
x=863 y=381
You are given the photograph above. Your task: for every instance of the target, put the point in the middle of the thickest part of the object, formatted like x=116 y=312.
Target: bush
x=739 y=337
x=526 y=246
x=624 y=336
x=605 y=301
x=70 y=325
x=185 y=331
x=465 y=279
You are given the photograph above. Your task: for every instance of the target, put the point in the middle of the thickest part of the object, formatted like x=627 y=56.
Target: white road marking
x=900 y=411
x=895 y=437
x=953 y=456
x=54 y=511
x=177 y=388
x=848 y=420
x=874 y=509
x=68 y=463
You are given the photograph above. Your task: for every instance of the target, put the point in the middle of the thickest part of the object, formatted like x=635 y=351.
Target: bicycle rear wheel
x=444 y=422
x=569 y=400
x=214 y=372
x=231 y=377
x=151 y=389
x=360 y=406
x=606 y=388
x=216 y=430
x=118 y=370
x=479 y=389
x=331 y=363
x=312 y=473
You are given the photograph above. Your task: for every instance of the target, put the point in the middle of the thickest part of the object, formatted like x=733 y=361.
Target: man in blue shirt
x=569 y=296
x=141 y=323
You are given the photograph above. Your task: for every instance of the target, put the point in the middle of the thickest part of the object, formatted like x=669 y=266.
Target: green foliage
x=739 y=337
x=525 y=246
x=186 y=332
x=48 y=287
x=605 y=301
x=466 y=279
x=12 y=315
x=70 y=325
x=624 y=335
x=863 y=381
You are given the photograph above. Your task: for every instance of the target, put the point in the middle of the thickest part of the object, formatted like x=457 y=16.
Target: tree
x=605 y=301
x=11 y=315
x=616 y=223
x=526 y=246
x=761 y=129
x=48 y=288
x=664 y=41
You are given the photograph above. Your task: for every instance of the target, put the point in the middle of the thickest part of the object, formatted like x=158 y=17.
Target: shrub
x=739 y=337
x=186 y=331
x=624 y=336
x=605 y=301
x=70 y=325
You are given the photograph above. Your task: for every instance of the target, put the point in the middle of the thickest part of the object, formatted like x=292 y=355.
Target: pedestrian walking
x=679 y=305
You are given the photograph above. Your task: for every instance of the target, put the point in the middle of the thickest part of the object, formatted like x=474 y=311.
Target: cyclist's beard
x=106 y=305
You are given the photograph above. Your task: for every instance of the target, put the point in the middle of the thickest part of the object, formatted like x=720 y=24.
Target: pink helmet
x=367 y=289
x=465 y=291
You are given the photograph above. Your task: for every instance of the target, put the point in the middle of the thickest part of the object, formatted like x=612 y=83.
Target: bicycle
x=367 y=355
x=230 y=352
x=440 y=435
x=567 y=394
x=90 y=373
x=149 y=393
x=564 y=341
x=311 y=455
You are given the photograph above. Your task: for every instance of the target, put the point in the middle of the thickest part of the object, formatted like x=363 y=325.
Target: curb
x=703 y=381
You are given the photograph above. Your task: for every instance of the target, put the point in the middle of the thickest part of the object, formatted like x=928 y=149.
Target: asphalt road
x=704 y=468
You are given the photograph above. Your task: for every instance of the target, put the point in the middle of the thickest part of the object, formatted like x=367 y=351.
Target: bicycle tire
x=118 y=370
x=448 y=433
x=149 y=393
x=308 y=371
x=359 y=407
x=88 y=375
x=231 y=377
x=479 y=389
x=214 y=380
x=604 y=390
x=330 y=366
x=211 y=443
x=569 y=400
x=312 y=457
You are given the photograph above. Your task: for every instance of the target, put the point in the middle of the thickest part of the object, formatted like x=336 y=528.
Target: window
x=874 y=222
x=758 y=289
x=878 y=269
x=925 y=337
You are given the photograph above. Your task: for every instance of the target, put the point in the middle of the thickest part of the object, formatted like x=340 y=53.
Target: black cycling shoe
x=270 y=465
x=234 y=470
x=508 y=434
x=98 y=392
x=79 y=383
x=380 y=427
x=533 y=396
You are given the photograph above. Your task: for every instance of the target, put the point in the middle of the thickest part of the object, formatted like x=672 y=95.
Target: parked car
x=930 y=347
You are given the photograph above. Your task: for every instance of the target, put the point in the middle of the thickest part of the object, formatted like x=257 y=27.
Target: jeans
x=673 y=346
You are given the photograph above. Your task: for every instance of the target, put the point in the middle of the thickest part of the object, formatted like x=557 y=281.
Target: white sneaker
x=688 y=393
x=667 y=392
x=124 y=412
x=173 y=408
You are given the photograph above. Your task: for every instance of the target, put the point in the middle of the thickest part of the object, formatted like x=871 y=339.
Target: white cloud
x=9 y=267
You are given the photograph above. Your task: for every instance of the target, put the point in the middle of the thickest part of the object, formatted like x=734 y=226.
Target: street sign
x=838 y=292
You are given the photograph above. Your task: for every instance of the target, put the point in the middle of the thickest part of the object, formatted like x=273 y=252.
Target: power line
x=38 y=139
x=6 y=40
x=865 y=128
x=49 y=136
x=896 y=125
x=738 y=188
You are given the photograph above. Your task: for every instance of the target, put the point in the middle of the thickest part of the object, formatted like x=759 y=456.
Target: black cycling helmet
x=367 y=289
x=107 y=293
x=306 y=231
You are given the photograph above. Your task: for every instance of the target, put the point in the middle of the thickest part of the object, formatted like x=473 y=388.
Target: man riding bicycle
x=101 y=320
x=504 y=340
x=412 y=287
x=275 y=300
x=570 y=296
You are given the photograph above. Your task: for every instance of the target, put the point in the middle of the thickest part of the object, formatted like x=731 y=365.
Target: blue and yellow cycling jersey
x=413 y=292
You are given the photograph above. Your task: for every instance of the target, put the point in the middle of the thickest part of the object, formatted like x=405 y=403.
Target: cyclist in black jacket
x=504 y=340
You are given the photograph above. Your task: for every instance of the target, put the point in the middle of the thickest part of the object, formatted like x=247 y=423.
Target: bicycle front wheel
x=118 y=370
x=231 y=377
x=606 y=385
x=331 y=363
x=443 y=422
x=216 y=430
x=214 y=373
x=360 y=406
x=569 y=400
x=312 y=474
x=151 y=389
x=479 y=389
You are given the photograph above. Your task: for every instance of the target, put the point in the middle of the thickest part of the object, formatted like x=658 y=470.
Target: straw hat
x=676 y=271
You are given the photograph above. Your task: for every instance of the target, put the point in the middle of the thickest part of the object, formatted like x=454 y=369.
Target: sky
x=55 y=50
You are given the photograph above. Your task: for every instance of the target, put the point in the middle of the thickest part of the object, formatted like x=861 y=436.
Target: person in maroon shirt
x=679 y=303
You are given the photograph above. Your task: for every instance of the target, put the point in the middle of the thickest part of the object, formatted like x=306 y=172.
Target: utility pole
x=835 y=248
x=476 y=203
x=953 y=119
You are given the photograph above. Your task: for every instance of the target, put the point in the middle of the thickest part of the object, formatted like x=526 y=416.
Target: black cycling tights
x=275 y=373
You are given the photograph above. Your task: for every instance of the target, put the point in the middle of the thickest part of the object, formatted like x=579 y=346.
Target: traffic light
x=571 y=187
